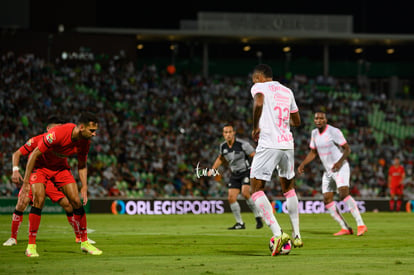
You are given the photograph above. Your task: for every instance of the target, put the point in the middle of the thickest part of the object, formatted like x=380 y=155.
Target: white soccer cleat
x=10 y=242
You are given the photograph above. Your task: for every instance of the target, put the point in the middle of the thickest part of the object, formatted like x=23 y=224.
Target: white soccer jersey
x=328 y=145
x=274 y=123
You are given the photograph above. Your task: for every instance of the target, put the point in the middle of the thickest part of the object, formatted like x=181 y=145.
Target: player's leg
x=392 y=198
x=286 y=173
x=399 y=194
x=335 y=213
x=329 y=188
x=64 y=202
x=57 y=196
x=249 y=201
x=66 y=181
x=342 y=182
x=35 y=214
x=232 y=194
x=71 y=192
x=263 y=164
x=353 y=207
x=22 y=203
x=292 y=205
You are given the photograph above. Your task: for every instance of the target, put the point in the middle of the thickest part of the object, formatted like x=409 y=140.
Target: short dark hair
x=228 y=124
x=87 y=117
x=264 y=69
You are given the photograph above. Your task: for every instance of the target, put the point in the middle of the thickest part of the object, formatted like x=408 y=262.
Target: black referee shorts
x=239 y=179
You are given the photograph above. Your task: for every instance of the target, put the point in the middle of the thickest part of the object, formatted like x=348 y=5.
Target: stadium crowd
x=156 y=128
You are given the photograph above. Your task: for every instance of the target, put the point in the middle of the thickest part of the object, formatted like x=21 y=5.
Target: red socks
x=17 y=221
x=80 y=217
x=34 y=222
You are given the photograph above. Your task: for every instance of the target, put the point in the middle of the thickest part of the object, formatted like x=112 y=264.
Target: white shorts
x=332 y=181
x=267 y=159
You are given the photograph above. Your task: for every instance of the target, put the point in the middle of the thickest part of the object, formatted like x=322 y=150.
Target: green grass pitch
x=201 y=244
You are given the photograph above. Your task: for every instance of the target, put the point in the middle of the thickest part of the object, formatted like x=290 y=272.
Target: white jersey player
x=332 y=148
x=274 y=111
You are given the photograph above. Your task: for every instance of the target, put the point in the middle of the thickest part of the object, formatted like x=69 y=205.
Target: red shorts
x=59 y=178
x=397 y=189
x=51 y=191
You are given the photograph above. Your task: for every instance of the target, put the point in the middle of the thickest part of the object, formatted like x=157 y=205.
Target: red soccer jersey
x=57 y=145
x=396 y=174
x=28 y=148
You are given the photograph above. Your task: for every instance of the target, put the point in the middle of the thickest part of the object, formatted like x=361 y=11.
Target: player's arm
x=83 y=176
x=309 y=157
x=16 y=176
x=248 y=149
x=389 y=177
x=217 y=163
x=345 y=154
x=403 y=176
x=295 y=120
x=29 y=168
x=257 y=113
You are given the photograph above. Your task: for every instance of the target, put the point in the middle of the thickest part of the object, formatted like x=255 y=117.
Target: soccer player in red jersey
x=57 y=145
x=396 y=176
x=50 y=189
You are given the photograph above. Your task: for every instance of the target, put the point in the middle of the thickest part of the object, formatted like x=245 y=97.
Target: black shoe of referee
x=237 y=226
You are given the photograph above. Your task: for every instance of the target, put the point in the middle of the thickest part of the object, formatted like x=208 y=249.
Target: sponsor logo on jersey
x=29 y=142
x=51 y=137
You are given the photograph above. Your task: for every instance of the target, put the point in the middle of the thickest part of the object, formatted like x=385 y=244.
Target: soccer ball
x=285 y=248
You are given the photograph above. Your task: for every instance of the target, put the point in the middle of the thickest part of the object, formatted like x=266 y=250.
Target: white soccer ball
x=286 y=248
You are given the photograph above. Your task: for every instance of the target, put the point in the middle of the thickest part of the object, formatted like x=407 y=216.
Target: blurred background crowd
x=157 y=126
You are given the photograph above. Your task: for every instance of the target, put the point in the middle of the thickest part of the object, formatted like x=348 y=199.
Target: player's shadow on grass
x=317 y=232
x=250 y=253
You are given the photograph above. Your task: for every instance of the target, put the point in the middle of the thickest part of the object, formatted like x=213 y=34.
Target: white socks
x=262 y=203
x=235 y=208
x=335 y=214
x=292 y=207
x=353 y=207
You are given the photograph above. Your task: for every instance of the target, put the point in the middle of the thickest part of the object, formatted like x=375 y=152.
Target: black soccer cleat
x=237 y=226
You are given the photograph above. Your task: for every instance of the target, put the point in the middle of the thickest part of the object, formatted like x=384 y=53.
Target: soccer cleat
x=297 y=242
x=362 y=229
x=348 y=231
x=237 y=226
x=10 y=242
x=31 y=251
x=78 y=240
x=279 y=243
x=259 y=223
x=88 y=248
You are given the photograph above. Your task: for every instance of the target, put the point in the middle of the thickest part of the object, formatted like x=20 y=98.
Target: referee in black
x=237 y=153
